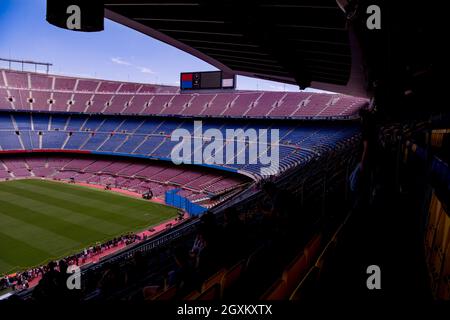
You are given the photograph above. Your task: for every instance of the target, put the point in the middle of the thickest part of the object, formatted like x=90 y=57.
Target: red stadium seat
x=295 y=271
x=278 y=291
x=115 y=97
x=313 y=247
x=168 y=294
x=231 y=277
x=213 y=293
x=214 y=279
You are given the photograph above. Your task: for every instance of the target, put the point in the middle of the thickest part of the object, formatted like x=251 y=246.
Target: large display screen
x=206 y=80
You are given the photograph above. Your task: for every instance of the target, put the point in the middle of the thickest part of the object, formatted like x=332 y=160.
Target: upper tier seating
x=40 y=92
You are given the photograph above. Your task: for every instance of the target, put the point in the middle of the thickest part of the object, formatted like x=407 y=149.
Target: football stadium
x=201 y=189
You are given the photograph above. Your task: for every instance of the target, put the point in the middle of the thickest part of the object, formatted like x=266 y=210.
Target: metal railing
x=25 y=62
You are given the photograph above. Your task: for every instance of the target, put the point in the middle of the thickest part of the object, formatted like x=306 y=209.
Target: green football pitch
x=46 y=220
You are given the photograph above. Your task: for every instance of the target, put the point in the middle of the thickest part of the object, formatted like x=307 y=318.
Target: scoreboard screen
x=206 y=80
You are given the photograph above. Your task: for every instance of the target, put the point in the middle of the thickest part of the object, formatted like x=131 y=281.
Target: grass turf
x=46 y=220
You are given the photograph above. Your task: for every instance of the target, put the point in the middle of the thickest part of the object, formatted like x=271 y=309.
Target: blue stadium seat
x=10 y=141
x=95 y=141
x=132 y=143
x=58 y=122
x=40 y=121
x=53 y=139
x=76 y=140
x=75 y=122
x=5 y=122
x=23 y=121
x=113 y=142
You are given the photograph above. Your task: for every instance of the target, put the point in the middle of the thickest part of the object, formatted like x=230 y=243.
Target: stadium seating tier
x=41 y=92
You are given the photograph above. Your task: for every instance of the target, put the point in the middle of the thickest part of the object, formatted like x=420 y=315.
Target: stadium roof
x=302 y=42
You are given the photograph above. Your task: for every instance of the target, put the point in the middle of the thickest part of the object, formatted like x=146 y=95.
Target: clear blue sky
x=117 y=53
